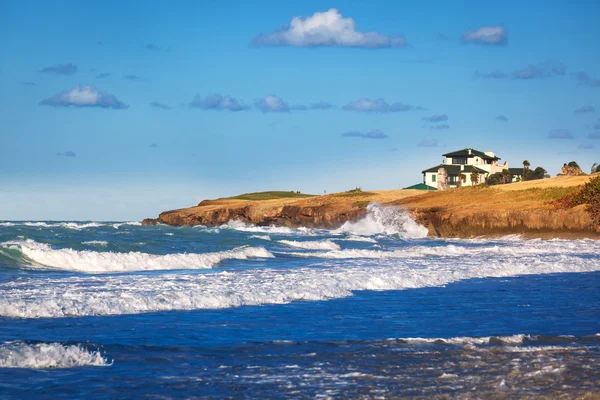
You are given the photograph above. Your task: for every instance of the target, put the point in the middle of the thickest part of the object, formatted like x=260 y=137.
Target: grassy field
x=270 y=196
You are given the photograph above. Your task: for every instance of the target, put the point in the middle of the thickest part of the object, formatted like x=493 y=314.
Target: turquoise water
x=375 y=309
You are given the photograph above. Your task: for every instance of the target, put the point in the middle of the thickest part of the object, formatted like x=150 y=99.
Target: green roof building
x=459 y=167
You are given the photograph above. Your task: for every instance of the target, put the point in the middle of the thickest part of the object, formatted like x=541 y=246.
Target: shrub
x=538 y=173
x=589 y=194
x=495 y=179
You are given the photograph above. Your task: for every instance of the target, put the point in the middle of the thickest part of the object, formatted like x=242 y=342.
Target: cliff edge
x=523 y=208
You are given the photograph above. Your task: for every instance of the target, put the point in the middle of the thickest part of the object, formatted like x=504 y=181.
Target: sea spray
x=385 y=220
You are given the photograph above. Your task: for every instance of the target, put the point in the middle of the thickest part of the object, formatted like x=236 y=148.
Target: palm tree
x=595 y=168
x=526 y=165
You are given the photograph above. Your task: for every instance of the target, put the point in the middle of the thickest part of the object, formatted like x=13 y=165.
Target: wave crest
x=48 y=355
x=311 y=245
x=103 y=262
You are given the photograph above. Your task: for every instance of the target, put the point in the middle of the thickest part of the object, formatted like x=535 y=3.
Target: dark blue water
x=390 y=315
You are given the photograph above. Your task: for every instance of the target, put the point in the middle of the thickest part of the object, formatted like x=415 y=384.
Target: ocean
x=374 y=309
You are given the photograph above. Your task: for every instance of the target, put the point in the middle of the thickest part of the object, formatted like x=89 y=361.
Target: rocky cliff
x=520 y=208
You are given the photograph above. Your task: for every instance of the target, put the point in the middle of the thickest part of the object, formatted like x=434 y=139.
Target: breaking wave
x=103 y=262
x=311 y=245
x=48 y=355
x=96 y=242
x=131 y=294
x=385 y=220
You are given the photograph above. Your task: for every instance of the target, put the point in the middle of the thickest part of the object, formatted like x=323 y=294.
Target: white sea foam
x=261 y=237
x=311 y=245
x=102 y=262
x=68 y=225
x=131 y=223
x=496 y=250
x=7 y=224
x=113 y=295
x=48 y=355
x=96 y=242
x=241 y=226
x=467 y=340
x=355 y=238
x=385 y=220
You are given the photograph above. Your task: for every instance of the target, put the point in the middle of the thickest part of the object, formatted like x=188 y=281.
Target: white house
x=464 y=162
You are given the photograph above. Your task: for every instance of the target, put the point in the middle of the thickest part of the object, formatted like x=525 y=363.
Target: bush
x=495 y=179
x=589 y=194
x=538 y=173
x=573 y=164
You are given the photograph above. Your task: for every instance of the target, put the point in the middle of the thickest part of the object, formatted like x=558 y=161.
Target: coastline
x=514 y=209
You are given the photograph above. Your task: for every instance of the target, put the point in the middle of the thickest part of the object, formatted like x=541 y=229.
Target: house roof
x=421 y=186
x=465 y=153
x=516 y=171
x=455 y=169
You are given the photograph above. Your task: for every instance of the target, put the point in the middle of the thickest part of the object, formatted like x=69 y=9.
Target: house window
x=459 y=160
x=452 y=179
x=433 y=178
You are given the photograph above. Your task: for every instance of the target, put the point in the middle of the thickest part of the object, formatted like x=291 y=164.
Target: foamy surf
x=104 y=262
x=131 y=294
x=311 y=245
x=385 y=220
x=48 y=355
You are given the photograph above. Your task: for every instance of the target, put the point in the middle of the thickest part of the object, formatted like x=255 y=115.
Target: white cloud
x=84 y=96
x=378 y=106
x=487 y=35
x=327 y=28
x=272 y=103
x=217 y=102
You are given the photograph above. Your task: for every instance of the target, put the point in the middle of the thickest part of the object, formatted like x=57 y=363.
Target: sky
x=118 y=110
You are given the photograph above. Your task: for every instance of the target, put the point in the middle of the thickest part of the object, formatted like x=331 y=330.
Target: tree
x=595 y=168
x=526 y=165
x=538 y=173
x=474 y=177
x=495 y=179
x=506 y=176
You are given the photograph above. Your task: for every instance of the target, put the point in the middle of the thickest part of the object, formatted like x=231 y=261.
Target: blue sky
x=117 y=110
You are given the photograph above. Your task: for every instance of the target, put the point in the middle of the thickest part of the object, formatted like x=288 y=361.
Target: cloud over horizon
x=585 y=109
x=487 y=35
x=436 y=118
x=162 y=106
x=585 y=146
x=60 y=69
x=155 y=47
x=217 y=102
x=502 y=118
x=84 y=96
x=328 y=28
x=271 y=103
x=103 y=75
x=594 y=135
x=378 y=106
x=428 y=143
x=546 y=69
x=374 y=134
x=584 y=79
x=560 y=134
x=67 y=153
